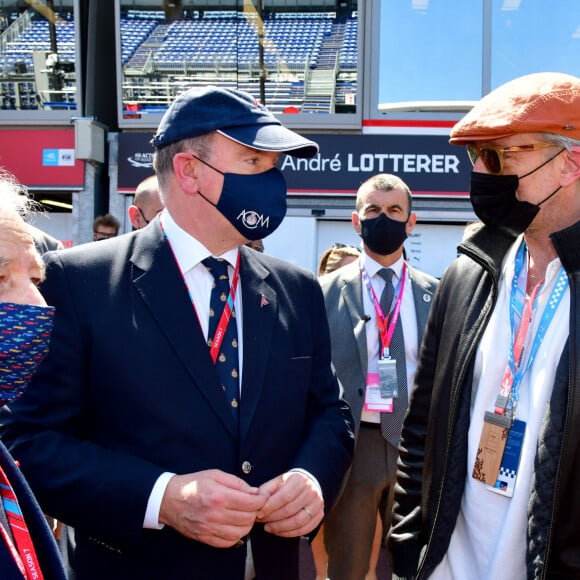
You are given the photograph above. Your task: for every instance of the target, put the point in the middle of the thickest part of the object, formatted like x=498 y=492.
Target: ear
x=186 y=169
x=134 y=216
x=411 y=223
x=356 y=222
x=571 y=169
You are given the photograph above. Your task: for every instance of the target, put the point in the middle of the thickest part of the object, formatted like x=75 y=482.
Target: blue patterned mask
x=24 y=338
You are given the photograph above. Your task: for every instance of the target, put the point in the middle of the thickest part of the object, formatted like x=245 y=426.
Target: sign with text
x=427 y=163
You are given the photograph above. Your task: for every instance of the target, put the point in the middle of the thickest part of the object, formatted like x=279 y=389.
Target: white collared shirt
x=189 y=254
x=408 y=321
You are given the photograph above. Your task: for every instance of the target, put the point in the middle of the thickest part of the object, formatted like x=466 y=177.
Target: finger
x=242 y=501
x=286 y=493
x=271 y=487
x=299 y=524
x=224 y=536
x=231 y=481
x=286 y=510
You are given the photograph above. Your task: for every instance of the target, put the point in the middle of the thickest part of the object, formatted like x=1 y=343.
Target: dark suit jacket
x=42 y=538
x=343 y=295
x=129 y=391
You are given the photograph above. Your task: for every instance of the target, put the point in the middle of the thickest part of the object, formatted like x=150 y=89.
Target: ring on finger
x=308 y=512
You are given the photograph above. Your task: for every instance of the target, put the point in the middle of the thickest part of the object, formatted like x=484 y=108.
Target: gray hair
x=561 y=140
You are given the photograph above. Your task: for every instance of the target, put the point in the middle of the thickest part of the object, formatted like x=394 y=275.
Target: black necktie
x=392 y=423
x=227 y=361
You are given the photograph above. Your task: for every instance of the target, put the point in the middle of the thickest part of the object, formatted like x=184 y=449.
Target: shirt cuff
x=151 y=520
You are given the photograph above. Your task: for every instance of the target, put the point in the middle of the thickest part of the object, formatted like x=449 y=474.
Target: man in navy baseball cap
x=235 y=114
x=229 y=439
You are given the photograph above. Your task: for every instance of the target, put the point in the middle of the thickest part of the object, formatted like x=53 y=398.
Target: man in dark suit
x=131 y=433
x=27 y=546
x=377 y=308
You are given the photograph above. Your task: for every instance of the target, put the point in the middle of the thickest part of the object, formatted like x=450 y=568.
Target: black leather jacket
x=433 y=448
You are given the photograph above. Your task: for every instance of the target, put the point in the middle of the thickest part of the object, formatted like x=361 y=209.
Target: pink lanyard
x=385 y=330
x=23 y=552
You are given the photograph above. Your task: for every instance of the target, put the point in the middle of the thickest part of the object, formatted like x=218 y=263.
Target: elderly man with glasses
x=489 y=468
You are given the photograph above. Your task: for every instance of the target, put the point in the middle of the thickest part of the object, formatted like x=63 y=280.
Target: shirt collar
x=189 y=251
x=372 y=266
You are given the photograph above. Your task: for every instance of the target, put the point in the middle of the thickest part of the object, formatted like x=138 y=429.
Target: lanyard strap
x=385 y=330
x=228 y=306
x=226 y=313
x=514 y=372
x=23 y=552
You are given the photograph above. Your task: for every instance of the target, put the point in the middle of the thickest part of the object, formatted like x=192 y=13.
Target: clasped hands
x=220 y=509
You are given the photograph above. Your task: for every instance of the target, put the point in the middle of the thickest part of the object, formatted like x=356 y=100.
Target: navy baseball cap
x=236 y=115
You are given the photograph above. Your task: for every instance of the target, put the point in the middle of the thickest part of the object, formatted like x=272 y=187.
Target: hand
x=212 y=507
x=294 y=507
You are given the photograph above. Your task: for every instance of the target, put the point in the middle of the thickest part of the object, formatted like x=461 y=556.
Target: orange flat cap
x=536 y=103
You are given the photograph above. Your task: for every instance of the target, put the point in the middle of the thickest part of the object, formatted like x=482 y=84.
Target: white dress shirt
x=408 y=320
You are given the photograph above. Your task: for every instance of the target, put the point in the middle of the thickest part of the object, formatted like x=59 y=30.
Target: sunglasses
x=493 y=157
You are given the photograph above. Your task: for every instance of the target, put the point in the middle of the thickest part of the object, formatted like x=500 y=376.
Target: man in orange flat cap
x=489 y=454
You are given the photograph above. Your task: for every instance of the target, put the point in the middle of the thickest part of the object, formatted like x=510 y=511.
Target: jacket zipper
x=571 y=388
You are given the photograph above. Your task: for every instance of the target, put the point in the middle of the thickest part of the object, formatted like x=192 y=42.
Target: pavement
x=307 y=571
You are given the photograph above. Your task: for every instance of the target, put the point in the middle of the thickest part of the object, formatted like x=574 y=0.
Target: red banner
x=42 y=158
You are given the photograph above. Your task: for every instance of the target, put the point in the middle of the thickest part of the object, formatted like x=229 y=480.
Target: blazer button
x=246 y=467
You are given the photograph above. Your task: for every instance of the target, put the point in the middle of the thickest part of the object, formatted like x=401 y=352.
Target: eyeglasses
x=143 y=215
x=98 y=235
x=338 y=246
x=493 y=157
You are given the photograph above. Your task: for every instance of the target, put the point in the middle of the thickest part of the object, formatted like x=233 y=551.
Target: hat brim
x=274 y=138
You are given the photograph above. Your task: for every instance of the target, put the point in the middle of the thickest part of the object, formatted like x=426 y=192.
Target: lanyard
x=23 y=552
x=385 y=330
x=514 y=372
x=226 y=313
x=228 y=306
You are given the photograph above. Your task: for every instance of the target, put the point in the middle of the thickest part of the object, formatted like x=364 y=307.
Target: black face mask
x=494 y=200
x=382 y=234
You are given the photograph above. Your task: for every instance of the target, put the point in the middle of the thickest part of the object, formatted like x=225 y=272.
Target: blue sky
x=433 y=49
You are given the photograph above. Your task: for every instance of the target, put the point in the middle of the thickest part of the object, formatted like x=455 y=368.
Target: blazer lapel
x=160 y=284
x=351 y=293
x=422 y=296
x=260 y=312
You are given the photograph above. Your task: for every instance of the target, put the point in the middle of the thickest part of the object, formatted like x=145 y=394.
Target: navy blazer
x=42 y=538
x=129 y=391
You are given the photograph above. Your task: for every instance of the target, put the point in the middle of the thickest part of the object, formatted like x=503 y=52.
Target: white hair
x=13 y=195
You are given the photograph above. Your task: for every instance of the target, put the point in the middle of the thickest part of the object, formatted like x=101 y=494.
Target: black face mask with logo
x=383 y=235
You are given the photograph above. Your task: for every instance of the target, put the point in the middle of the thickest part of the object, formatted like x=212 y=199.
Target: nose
x=479 y=166
x=25 y=292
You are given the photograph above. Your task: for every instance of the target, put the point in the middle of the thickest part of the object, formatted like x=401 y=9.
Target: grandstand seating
x=160 y=58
